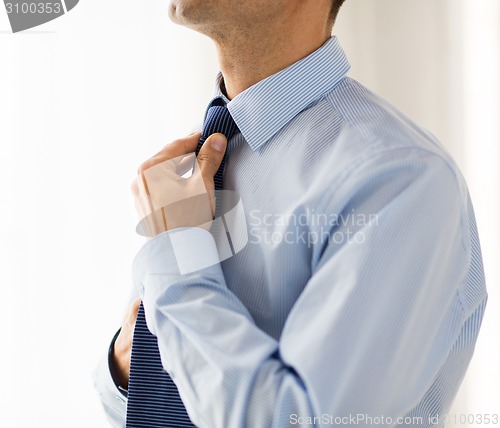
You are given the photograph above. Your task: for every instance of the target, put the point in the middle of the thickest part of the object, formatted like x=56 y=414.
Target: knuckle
x=135 y=306
x=143 y=167
x=170 y=145
x=156 y=159
x=206 y=159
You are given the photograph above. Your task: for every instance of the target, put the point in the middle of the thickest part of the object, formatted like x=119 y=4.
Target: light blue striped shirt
x=359 y=295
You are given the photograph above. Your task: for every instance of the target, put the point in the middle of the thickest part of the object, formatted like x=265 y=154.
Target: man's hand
x=167 y=200
x=209 y=159
x=120 y=367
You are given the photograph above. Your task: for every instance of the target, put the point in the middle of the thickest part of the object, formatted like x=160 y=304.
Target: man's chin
x=173 y=11
x=183 y=12
x=198 y=15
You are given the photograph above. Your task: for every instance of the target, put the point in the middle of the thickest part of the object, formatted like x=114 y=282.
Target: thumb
x=210 y=157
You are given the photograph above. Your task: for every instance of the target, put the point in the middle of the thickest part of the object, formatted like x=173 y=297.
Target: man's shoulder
x=371 y=125
x=355 y=133
x=376 y=120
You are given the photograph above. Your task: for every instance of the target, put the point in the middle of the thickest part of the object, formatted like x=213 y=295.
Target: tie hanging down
x=153 y=398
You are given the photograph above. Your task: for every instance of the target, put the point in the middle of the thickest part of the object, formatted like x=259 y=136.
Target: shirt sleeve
x=369 y=333
x=113 y=399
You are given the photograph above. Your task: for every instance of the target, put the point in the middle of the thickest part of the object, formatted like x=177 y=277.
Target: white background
x=86 y=98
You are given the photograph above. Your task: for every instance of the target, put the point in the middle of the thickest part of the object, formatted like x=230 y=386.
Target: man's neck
x=249 y=58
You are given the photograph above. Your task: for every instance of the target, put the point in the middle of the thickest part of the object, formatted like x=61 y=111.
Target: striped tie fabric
x=153 y=398
x=217 y=119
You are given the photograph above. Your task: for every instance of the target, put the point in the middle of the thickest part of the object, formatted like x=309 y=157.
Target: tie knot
x=218 y=120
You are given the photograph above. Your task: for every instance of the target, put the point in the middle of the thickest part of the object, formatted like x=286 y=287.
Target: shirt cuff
x=176 y=252
x=113 y=399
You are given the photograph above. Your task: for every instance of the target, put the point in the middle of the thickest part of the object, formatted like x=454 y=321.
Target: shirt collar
x=266 y=107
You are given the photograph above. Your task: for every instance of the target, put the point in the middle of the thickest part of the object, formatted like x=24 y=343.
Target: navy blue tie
x=153 y=398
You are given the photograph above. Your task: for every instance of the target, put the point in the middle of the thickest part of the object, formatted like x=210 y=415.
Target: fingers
x=134 y=306
x=171 y=163
x=174 y=150
x=132 y=311
x=120 y=364
x=210 y=157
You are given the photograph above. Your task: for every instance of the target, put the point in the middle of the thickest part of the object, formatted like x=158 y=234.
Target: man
x=359 y=295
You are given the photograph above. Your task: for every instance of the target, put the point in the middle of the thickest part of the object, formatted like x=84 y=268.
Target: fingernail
x=218 y=142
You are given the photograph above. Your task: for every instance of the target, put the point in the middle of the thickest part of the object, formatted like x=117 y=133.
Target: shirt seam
x=464 y=319
x=367 y=156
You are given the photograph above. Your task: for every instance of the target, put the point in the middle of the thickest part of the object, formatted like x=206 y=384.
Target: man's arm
x=370 y=332
x=113 y=400
x=111 y=374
